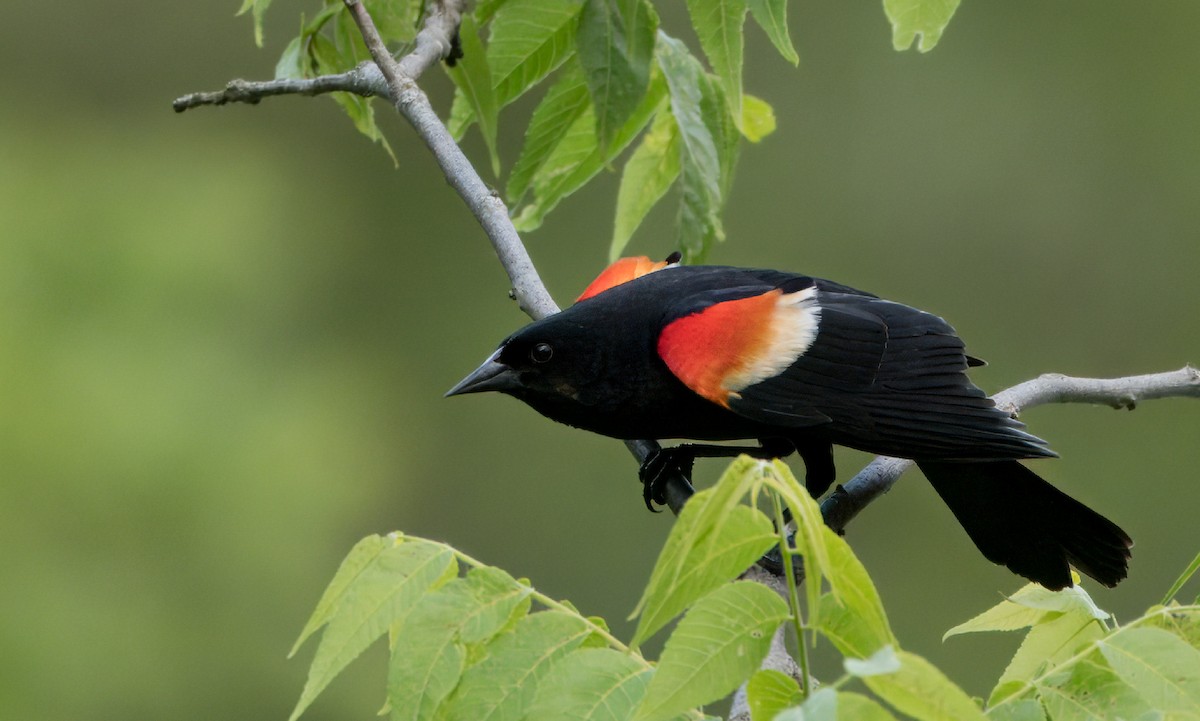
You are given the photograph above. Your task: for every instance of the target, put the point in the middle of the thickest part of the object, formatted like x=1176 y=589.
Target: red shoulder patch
x=731 y=345
x=706 y=348
x=622 y=271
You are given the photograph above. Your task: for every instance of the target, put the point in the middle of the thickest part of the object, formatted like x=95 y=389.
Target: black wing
x=891 y=379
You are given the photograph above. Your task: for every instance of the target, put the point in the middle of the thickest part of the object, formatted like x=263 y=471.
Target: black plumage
x=818 y=364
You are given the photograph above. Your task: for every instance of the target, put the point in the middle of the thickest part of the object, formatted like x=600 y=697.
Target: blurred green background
x=224 y=335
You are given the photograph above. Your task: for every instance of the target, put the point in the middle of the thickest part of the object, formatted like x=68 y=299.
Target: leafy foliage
x=481 y=644
x=608 y=65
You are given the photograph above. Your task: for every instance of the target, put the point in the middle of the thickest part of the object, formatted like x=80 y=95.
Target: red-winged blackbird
x=718 y=353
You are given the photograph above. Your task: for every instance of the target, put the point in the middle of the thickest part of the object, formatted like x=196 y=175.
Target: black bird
x=713 y=353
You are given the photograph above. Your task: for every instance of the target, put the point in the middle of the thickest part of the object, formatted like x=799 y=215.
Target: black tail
x=1021 y=521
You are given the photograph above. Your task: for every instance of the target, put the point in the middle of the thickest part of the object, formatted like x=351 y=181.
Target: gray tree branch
x=364 y=79
x=411 y=102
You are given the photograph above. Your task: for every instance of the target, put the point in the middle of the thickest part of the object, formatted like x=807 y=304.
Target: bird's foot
x=772 y=561
x=657 y=469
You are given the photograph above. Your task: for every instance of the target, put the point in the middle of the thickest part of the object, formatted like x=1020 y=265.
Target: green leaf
x=431 y=644
x=758 y=118
x=472 y=76
x=1029 y=606
x=699 y=222
x=348 y=40
x=1160 y=666
x=368 y=594
x=856 y=707
x=1055 y=639
x=715 y=539
x=1024 y=710
x=615 y=45
x=330 y=60
x=314 y=26
x=1087 y=690
x=363 y=555
x=1004 y=616
x=259 y=8
x=291 y=62
x=597 y=684
x=648 y=175
x=461 y=115
x=724 y=130
x=528 y=40
x=717 y=645
x=501 y=600
x=362 y=114
x=1072 y=599
x=768 y=692
x=577 y=157
x=910 y=18
x=851 y=616
x=396 y=20
x=562 y=106
x=920 y=690
x=485 y=9
x=429 y=660
x=811 y=536
x=882 y=661
x=692 y=105
x=718 y=25
x=771 y=15
x=502 y=686
x=822 y=705
x=1183 y=622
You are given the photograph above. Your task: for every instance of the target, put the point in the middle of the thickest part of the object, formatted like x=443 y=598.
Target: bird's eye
x=541 y=353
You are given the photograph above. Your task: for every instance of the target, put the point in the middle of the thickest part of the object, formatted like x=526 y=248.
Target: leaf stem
x=785 y=552
x=1183 y=578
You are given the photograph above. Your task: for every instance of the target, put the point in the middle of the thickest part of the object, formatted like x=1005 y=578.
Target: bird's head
x=554 y=360
x=561 y=360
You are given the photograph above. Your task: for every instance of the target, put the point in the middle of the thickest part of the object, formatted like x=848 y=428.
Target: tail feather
x=1021 y=521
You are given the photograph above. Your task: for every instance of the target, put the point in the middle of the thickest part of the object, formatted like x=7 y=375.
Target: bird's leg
x=683 y=457
x=819 y=471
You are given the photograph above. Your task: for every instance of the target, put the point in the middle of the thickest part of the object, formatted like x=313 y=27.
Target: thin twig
x=364 y=80
x=410 y=101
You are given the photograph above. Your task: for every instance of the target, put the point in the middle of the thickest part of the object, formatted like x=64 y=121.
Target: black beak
x=491 y=376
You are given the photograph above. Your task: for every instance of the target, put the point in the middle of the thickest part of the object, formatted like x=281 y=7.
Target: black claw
x=657 y=469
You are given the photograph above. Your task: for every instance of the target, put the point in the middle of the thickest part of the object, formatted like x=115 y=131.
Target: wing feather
x=876 y=375
x=891 y=379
